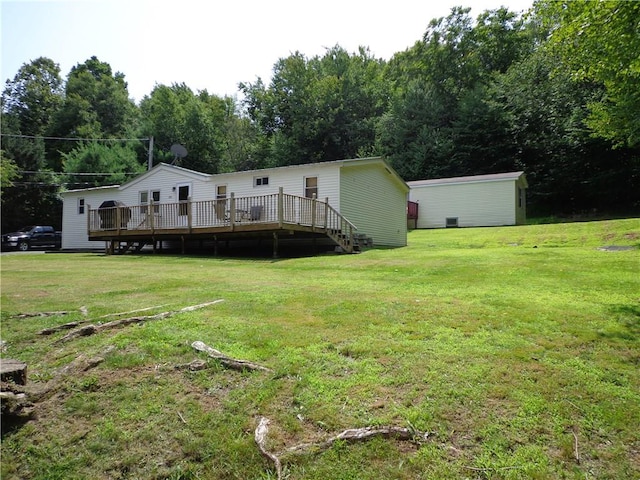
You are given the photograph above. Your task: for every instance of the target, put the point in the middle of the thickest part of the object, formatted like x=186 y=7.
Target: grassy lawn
x=517 y=349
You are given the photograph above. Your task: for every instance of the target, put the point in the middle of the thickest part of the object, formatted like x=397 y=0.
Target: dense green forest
x=554 y=92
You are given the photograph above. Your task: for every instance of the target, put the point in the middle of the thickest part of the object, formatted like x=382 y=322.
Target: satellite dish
x=178 y=152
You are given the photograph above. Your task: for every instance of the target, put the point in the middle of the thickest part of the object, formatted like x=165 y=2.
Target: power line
x=76 y=139
x=44 y=184
x=79 y=174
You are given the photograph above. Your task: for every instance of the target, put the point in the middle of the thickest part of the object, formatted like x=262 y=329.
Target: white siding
x=74 y=224
x=375 y=202
x=368 y=193
x=166 y=179
x=474 y=204
x=291 y=179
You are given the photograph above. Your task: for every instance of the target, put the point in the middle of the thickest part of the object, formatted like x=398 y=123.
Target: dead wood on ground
x=350 y=436
x=260 y=437
x=91 y=329
x=232 y=363
x=70 y=325
x=39 y=314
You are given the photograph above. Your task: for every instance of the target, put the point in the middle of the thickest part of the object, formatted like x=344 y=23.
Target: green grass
x=507 y=344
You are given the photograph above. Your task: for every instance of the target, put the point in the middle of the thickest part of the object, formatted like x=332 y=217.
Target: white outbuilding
x=471 y=201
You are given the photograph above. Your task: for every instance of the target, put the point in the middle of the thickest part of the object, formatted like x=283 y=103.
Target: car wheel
x=23 y=246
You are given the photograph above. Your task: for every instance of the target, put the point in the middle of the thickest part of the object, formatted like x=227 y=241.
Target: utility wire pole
x=150 y=162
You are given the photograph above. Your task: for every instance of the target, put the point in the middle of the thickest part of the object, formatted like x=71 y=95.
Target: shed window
x=521 y=197
x=81 y=206
x=260 y=181
x=311 y=187
x=452 y=222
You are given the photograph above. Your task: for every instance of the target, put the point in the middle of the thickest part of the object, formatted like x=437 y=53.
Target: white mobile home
x=169 y=203
x=472 y=201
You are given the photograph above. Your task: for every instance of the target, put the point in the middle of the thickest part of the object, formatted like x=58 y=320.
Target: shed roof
x=493 y=177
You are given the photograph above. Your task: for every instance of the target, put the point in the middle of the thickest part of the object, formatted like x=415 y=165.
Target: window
x=260 y=181
x=81 y=206
x=144 y=201
x=311 y=187
x=221 y=192
x=520 y=197
x=155 y=197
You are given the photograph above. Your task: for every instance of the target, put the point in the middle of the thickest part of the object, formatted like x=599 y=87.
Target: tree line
x=554 y=92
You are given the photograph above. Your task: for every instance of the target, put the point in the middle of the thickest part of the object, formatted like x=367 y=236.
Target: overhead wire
x=75 y=139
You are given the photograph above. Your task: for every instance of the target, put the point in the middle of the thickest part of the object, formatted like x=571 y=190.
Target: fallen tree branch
x=350 y=435
x=132 y=311
x=193 y=365
x=70 y=325
x=39 y=314
x=65 y=326
x=228 y=362
x=362 y=434
x=91 y=329
x=260 y=437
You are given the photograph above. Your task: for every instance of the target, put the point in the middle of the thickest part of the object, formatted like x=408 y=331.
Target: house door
x=184 y=193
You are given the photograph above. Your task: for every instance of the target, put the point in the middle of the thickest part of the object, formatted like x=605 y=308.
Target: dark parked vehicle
x=33 y=236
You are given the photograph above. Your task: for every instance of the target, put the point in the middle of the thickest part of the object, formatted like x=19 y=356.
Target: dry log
x=15 y=405
x=65 y=326
x=91 y=329
x=39 y=314
x=361 y=434
x=193 y=366
x=349 y=435
x=228 y=362
x=70 y=325
x=260 y=437
x=13 y=371
x=131 y=311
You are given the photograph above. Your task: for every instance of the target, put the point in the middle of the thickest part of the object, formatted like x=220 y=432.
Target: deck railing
x=279 y=208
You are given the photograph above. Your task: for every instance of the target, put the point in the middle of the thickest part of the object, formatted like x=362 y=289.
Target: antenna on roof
x=178 y=152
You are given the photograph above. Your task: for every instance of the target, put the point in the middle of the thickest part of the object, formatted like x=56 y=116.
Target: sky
x=210 y=44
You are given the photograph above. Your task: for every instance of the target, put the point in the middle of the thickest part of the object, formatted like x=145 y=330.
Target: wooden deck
x=223 y=219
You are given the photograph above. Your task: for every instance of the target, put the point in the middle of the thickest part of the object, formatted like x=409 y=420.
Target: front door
x=184 y=193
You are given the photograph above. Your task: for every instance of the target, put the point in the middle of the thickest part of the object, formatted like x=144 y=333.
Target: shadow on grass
x=629 y=319
x=12 y=423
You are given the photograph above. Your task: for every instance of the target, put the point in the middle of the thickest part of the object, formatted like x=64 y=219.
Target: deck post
x=314 y=204
x=88 y=219
x=326 y=211
x=275 y=244
x=280 y=206
x=182 y=243
x=232 y=211
x=150 y=213
x=118 y=220
x=189 y=214
x=215 y=245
